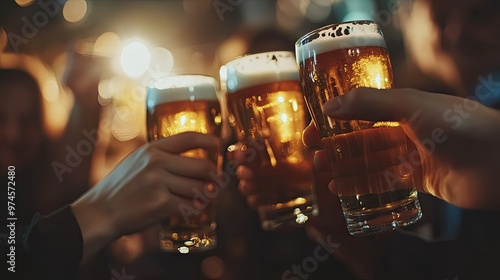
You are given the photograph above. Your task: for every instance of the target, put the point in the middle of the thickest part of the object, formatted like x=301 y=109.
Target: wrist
x=95 y=223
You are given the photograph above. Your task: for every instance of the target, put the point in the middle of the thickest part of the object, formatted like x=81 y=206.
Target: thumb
x=374 y=104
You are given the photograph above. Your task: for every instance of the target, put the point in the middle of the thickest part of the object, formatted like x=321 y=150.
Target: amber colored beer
x=175 y=105
x=172 y=118
x=268 y=116
x=369 y=160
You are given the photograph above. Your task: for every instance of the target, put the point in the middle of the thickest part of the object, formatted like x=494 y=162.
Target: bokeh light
x=162 y=62
x=50 y=90
x=318 y=11
x=24 y=3
x=74 y=10
x=135 y=58
x=288 y=14
x=107 y=44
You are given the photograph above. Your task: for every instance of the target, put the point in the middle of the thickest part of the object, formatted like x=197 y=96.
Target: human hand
x=456 y=138
x=146 y=187
x=267 y=186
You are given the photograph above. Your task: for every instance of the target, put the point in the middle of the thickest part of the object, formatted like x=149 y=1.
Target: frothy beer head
x=334 y=60
x=339 y=36
x=259 y=69
x=181 y=88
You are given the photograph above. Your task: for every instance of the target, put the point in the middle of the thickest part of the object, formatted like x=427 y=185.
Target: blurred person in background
x=51 y=170
x=46 y=181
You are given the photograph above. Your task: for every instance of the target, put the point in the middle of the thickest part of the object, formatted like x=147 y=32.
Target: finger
x=244 y=173
x=186 y=141
x=202 y=169
x=332 y=187
x=398 y=177
x=247 y=187
x=374 y=104
x=252 y=201
x=183 y=186
x=243 y=154
x=369 y=140
x=321 y=162
x=311 y=137
x=368 y=163
x=234 y=152
x=174 y=205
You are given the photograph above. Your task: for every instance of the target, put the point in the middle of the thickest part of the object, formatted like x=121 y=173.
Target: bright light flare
x=162 y=62
x=135 y=58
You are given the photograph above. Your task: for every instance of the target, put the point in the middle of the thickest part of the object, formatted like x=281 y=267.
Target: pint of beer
x=268 y=115
x=369 y=160
x=174 y=105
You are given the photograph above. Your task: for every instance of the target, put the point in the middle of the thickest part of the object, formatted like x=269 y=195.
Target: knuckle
x=204 y=168
x=155 y=159
x=163 y=197
x=154 y=181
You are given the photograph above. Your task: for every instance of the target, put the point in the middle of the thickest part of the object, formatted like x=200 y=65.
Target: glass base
x=188 y=240
x=287 y=215
x=383 y=219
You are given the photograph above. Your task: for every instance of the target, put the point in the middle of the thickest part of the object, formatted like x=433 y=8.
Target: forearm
x=52 y=246
x=476 y=174
x=96 y=226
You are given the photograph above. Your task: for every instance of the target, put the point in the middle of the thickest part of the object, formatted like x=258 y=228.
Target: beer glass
x=268 y=115
x=174 y=105
x=369 y=160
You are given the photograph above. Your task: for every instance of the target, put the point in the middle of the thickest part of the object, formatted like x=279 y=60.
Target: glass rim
x=155 y=83
x=170 y=89
x=317 y=30
x=257 y=69
x=250 y=55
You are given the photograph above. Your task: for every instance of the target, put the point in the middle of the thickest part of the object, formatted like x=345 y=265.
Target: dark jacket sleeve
x=51 y=246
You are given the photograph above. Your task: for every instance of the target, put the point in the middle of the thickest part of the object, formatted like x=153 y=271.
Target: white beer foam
x=341 y=36
x=260 y=69
x=181 y=88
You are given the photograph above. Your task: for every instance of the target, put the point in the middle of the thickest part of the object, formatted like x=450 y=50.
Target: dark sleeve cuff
x=55 y=243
